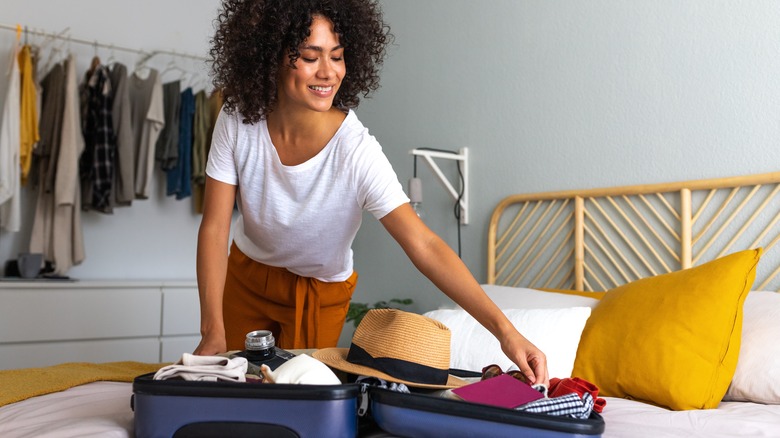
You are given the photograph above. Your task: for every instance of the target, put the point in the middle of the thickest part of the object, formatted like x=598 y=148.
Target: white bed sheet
x=627 y=418
x=102 y=409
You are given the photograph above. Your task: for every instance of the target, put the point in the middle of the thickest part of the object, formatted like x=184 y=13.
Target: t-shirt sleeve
x=379 y=191
x=221 y=164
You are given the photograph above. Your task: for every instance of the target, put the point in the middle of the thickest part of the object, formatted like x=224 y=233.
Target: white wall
x=547 y=95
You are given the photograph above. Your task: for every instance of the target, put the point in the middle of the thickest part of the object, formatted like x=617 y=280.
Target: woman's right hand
x=210 y=346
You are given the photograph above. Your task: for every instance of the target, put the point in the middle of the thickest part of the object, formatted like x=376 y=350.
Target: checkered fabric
x=570 y=405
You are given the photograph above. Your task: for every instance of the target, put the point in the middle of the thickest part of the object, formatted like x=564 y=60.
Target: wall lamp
x=460 y=196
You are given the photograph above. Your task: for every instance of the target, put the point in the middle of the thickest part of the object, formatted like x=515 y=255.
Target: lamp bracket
x=462 y=156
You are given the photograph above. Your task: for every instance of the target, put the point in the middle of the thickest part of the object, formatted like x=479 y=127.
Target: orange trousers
x=301 y=312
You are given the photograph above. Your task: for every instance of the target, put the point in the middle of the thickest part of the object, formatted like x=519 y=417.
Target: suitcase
x=422 y=415
x=179 y=408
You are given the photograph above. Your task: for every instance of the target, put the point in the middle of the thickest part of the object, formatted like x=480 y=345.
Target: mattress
x=628 y=418
x=99 y=409
x=102 y=409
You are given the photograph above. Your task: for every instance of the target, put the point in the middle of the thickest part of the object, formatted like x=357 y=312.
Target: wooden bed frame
x=597 y=239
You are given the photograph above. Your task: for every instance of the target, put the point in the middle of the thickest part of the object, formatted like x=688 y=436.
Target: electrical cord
x=456 y=208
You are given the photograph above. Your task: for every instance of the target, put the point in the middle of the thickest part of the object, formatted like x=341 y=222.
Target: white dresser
x=49 y=322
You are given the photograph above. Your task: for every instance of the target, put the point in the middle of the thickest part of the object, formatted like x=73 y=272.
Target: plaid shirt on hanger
x=96 y=166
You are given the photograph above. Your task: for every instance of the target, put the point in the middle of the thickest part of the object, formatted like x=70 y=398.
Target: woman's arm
x=436 y=260
x=213 y=235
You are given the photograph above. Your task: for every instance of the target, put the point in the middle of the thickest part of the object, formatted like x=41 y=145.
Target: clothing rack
x=65 y=36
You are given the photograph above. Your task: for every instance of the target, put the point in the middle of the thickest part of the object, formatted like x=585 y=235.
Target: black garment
x=167 y=147
x=96 y=167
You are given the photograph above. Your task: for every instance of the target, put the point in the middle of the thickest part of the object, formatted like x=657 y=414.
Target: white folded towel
x=205 y=368
x=302 y=369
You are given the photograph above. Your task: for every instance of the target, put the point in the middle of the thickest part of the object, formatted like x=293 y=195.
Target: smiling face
x=318 y=73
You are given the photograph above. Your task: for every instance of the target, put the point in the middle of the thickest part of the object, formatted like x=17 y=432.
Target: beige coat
x=57 y=229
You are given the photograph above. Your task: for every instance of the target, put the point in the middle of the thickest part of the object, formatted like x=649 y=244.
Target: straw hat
x=397 y=346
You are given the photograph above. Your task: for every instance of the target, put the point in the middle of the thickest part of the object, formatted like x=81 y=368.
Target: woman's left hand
x=529 y=359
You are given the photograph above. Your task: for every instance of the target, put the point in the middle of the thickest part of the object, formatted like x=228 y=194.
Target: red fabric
x=559 y=387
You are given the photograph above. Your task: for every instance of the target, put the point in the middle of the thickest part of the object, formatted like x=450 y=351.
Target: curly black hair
x=254 y=37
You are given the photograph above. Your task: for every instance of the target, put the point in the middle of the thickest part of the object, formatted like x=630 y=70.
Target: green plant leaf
x=357 y=311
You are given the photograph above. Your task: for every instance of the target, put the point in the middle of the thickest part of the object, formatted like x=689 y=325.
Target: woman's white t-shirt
x=304 y=217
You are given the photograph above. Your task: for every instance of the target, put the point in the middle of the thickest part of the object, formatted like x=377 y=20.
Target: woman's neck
x=299 y=136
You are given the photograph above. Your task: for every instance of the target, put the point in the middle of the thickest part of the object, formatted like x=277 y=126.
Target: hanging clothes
x=179 y=177
x=10 y=140
x=148 y=119
x=167 y=150
x=29 y=134
x=63 y=239
x=200 y=128
x=52 y=108
x=214 y=105
x=124 y=159
x=96 y=166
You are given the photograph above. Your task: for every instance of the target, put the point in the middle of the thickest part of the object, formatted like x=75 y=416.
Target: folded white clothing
x=205 y=368
x=302 y=369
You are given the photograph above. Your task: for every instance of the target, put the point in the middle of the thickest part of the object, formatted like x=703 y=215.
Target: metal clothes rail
x=64 y=35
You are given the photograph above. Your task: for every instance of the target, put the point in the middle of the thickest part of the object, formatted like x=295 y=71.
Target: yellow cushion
x=671 y=340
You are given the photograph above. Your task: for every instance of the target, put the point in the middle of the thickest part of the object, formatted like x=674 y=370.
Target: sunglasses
x=495 y=370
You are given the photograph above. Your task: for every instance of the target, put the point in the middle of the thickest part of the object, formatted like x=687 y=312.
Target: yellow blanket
x=20 y=384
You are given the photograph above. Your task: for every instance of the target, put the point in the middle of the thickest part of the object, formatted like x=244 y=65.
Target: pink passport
x=503 y=390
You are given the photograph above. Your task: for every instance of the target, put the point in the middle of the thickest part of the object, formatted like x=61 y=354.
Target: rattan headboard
x=597 y=239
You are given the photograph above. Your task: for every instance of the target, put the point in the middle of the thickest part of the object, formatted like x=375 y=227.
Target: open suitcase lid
x=423 y=403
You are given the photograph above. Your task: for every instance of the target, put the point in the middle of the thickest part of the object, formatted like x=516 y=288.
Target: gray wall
x=547 y=95
x=552 y=95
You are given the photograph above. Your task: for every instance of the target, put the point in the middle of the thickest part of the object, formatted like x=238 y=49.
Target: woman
x=291 y=154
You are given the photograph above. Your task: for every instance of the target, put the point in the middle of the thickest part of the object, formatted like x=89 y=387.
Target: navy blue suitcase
x=421 y=415
x=178 y=408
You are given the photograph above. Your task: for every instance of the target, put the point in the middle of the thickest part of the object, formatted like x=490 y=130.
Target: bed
x=569 y=268
x=680 y=265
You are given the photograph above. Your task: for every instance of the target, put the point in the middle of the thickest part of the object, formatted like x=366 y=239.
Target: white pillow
x=507 y=297
x=757 y=378
x=555 y=331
